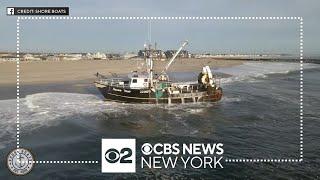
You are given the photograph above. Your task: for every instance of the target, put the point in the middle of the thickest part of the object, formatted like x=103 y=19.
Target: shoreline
x=46 y=72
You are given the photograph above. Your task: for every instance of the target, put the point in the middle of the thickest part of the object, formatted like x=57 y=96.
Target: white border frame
x=227 y=160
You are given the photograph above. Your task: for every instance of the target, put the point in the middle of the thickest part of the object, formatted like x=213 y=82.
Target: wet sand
x=34 y=72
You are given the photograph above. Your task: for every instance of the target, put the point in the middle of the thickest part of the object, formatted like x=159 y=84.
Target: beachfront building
x=114 y=56
x=237 y=56
x=7 y=57
x=130 y=56
x=183 y=54
x=53 y=58
x=31 y=57
x=99 y=56
x=70 y=57
x=157 y=54
x=88 y=56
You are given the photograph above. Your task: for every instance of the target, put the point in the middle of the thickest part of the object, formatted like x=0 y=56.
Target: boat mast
x=149 y=55
x=174 y=56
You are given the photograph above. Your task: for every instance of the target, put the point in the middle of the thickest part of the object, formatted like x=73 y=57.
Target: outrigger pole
x=174 y=56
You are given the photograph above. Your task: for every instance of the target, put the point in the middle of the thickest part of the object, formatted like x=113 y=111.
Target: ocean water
x=258 y=118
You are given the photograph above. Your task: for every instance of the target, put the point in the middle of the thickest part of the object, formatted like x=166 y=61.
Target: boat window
x=134 y=80
x=145 y=80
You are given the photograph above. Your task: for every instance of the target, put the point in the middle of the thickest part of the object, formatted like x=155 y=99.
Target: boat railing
x=188 y=94
x=163 y=83
x=116 y=82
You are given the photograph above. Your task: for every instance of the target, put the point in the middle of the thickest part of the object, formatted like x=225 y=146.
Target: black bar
x=41 y=11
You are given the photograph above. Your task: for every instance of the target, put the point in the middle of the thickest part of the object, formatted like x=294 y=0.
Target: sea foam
x=251 y=71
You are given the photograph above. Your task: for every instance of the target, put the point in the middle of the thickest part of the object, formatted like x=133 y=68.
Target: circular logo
x=112 y=155
x=20 y=161
x=146 y=148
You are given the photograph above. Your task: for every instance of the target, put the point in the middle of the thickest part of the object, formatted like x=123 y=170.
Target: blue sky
x=205 y=36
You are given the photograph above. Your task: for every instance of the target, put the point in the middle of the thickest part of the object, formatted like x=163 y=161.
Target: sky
x=222 y=36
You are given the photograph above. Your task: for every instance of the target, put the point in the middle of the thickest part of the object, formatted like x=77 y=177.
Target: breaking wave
x=230 y=99
x=45 y=109
x=49 y=109
x=251 y=71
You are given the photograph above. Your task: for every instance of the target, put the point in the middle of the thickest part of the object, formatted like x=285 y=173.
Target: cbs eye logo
x=118 y=156
x=113 y=155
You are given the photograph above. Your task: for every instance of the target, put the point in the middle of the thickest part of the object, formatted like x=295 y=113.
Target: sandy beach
x=36 y=72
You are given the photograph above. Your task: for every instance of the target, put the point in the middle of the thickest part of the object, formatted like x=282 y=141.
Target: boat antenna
x=174 y=56
x=149 y=32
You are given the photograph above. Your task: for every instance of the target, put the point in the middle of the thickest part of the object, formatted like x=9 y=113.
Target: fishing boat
x=155 y=88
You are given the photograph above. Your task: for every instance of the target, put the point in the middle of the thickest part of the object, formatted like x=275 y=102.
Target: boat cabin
x=139 y=81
